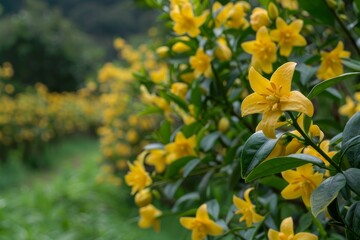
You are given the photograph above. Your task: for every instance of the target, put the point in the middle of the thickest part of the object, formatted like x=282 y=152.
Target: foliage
x=229 y=60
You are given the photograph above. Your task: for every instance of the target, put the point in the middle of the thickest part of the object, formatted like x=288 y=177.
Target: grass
x=66 y=203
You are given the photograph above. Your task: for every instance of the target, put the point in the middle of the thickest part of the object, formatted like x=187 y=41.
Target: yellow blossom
x=201 y=63
x=174 y=3
x=222 y=13
x=149 y=216
x=201 y=225
x=259 y=18
x=324 y=145
x=288 y=36
x=159 y=75
x=180 y=47
x=185 y=21
x=188 y=77
x=274 y=97
x=287 y=232
x=222 y=50
x=157 y=159
x=179 y=89
x=247 y=209
x=137 y=177
x=331 y=65
x=162 y=51
x=290 y=4
x=263 y=51
x=350 y=107
x=237 y=16
x=143 y=197
x=302 y=182
x=181 y=147
x=119 y=43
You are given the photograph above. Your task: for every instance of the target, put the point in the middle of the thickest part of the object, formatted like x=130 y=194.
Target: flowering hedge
x=255 y=140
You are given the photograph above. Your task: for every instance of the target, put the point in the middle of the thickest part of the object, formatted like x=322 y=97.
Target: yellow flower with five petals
x=263 y=51
x=287 y=232
x=201 y=225
x=137 y=177
x=181 y=147
x=302 y=182
x=247 y=209
x=288 y=36
x=201 y=63
x=274 y=97
x=149 y=216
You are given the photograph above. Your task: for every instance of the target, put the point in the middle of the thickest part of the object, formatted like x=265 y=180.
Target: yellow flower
x=179 y=89
x=143 y=197
x=287 y=232
x=201 y=63
x=157 y=159
x=222 y=13
x=247 y=209
x=201 y=225
x=288 y=36
x=181 y=147
x=331 y=65
x=162 y=51
x=263 y=51
x=188 y=77
x=159 y=75
x=237 y=16
x=185 y=21
x=119 y=43
x=290 y=4
x=174 y=3
x=324 y=145
x=149 y=216
x=137 y=177
x=274 y=97
x=302 y=182
x=349 y=108
x=222 y=50
x=259 y=18
x=180 y=47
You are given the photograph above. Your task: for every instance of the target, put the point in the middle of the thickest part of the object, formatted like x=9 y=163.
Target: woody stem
x=310 y=142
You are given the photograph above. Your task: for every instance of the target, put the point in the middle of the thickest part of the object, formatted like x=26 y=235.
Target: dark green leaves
x=352 y=176
x=256 y=149
x=350 y=134
x=326 y=193
x=319 y=10
x=280 y=164
x=352 y=221
x=322 y=86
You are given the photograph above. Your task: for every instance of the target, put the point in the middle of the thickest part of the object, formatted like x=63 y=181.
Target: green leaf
x=280 y=164
x=179 y=101
x=274 y=181
x=352 y=130
x=353 y=142
x=171 y=188
x=326 y=193
x=333 y=210
x=313 y=7
x=175 y=167
x=165 y=132
x=255 y=150
x=322 y=86
x=208 y=141
x=352 y=176
x=352 y=220
x=190 y=166
x=352 y=64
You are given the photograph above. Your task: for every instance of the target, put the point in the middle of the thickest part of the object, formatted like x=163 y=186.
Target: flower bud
x=259 y=18
x=162 y=51
x=223 y=125
x=273 y=11
x=332 y=3
x=143 y=198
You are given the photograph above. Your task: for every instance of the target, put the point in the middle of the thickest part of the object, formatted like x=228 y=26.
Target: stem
x=319 y=226
x=344 y=28
x=310 y=142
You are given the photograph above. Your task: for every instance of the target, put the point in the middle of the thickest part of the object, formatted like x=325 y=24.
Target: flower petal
x=247 y=193
x=297 y=25
x=285 y=50
x=273 y=235
x=249 y=46
x=269 y=123
x=290 y=175
x=187 y=222
x=291 y=191
x=282 y=77
x=258 y=83
x=305 y=236
x=254 y=103
x=299 y=41
x=287 y=226
x=296 y=101
x=202 y=213
x=213 y=229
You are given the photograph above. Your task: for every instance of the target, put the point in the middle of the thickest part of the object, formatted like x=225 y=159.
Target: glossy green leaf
x=352 y=221
x=174 y=168
x=322 y=86
x=280 y=164
x=352 y=176
x=352 y=130
x=190 y=166
x=179 y=101
x=352 y=64
x=326 y=192
x=255 y=150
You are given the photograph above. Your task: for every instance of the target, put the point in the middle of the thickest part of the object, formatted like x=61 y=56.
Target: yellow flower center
x=286 y=36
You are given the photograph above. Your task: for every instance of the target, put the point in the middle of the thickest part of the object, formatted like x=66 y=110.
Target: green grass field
x=65 y=203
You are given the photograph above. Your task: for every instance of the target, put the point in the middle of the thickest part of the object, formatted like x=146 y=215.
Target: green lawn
x=66 y=203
